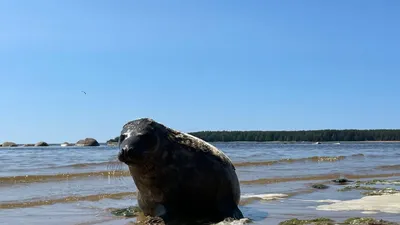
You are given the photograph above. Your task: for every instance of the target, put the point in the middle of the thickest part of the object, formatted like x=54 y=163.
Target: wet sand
x=75 y=185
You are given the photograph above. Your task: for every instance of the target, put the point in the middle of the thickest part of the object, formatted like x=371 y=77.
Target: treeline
x=311 y=135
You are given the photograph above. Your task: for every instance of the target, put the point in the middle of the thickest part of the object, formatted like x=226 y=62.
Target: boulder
x=87 y=142
x=28 y=145
x=112 y=143
x=9 y=144
x=41 y=143
x=66 y=144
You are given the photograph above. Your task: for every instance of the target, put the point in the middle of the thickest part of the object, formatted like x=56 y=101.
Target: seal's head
x=139 y=140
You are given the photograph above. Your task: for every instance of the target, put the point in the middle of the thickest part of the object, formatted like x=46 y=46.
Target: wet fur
x=185 y=178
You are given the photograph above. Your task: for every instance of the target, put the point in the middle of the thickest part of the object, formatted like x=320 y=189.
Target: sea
x=84 y=185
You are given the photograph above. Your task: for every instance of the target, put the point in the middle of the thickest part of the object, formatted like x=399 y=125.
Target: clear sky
x=196 y=65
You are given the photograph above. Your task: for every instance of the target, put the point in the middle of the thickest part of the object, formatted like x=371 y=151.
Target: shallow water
x=80 y=185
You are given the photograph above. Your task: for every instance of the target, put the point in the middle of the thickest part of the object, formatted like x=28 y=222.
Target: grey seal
x=179 y=177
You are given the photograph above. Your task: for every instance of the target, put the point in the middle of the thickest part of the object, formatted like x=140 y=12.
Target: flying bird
x=84 y=92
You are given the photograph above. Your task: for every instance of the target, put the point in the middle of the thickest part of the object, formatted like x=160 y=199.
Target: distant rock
x=9 y=144
x=342 y=181
x=87 y=142
x=319 y=186
x=28 y=145
x=112 y=143
x=66 y=144
x=41 y=144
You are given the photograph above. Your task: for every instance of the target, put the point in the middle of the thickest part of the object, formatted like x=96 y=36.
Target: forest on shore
x=306 y=135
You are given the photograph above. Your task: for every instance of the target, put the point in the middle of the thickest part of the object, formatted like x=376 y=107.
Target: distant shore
x=350 y=135
x=302 y=136
x=277 y=142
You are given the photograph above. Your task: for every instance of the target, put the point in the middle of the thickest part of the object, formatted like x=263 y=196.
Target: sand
x=368 y=204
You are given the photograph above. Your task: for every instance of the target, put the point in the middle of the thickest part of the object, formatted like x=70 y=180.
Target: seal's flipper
x=230 y=210
x=237 y=214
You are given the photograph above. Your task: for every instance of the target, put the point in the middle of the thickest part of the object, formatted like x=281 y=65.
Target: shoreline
x=277 y=142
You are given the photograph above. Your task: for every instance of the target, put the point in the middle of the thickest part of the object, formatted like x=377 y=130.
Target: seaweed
x=131 y=211
x=317 y=221
x=349 y=221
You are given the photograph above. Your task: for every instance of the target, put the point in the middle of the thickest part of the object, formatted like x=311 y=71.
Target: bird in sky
x=84 y=92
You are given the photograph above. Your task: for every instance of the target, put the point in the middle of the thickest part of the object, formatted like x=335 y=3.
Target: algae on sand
x=131 y=211
x=357 y=187
x=377 y=182
x=327 y=221
x=384 y=191
x=317 y=221
x=367 y=221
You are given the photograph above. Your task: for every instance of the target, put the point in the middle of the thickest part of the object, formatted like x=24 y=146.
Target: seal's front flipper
x=232 y=212
x=237 y=214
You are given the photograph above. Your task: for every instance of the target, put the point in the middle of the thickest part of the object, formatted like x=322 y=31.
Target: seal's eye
x=147 y=141
x=122 y=138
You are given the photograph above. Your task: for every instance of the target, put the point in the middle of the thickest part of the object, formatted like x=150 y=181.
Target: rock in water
x=28 y=145
x=87 y=142
x=342 y=181
x=180 y=178
x=66 y=144
x=319 y=186
x=9 y=144
x=41 y=143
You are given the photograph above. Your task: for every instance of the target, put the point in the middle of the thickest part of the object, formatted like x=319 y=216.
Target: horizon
x=216 y=131
x=195 y=66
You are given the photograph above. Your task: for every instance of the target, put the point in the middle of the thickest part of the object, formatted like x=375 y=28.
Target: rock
x=317 y=221
x=367 y=221
x=9 y=144
x=87 y=142
x=150 y=221
x=66 y=144
x=357 y=187
x=319 y=186
x=41 y=143
x=341 y=181
x=28 y=145
x=112 y=143
x=132 y=211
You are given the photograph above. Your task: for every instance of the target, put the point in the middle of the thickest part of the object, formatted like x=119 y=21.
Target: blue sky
x=196 y=65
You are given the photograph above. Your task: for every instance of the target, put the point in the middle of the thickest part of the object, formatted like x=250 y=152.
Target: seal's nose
x=123 y=154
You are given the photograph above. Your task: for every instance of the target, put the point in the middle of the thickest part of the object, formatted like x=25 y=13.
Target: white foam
x=383 y=203
x=325 y=200
x=276 y=196
x=235 y=222
x=369 y=212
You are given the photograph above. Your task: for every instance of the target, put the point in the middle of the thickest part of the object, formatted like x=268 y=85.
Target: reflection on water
x=73 y=185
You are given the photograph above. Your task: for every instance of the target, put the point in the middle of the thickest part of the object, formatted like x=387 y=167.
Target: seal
x=179 y=177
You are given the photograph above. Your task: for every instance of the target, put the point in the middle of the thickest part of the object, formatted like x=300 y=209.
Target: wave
x=84 y=165
x=7 y=181
x=69 y=199
x=316 y=177
x=117 y=164
x=245 y=199
x=296 y=160
x=389 y=167
x=59 y=177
